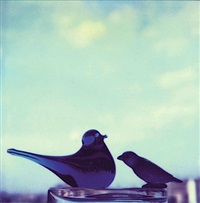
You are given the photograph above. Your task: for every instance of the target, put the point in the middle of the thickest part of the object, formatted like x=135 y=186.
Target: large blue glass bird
x=155 y=176
x=91 y=166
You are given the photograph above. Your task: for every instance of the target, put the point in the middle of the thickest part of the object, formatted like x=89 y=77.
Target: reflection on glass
x=92 y=166
x=62 y=195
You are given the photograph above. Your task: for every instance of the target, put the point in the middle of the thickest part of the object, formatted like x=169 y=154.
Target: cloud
x=173 y=113
x=178 y=77
x=87 y=32
x=81 y=34
x=190 y=14
x=169 y=34
x=172 y=46
x=182 y=102
x=179 y=107
x=123 y=15
x=85 y=29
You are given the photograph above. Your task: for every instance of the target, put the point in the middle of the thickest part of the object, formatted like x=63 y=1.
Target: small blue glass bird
x=92 y=166
x=155 y=176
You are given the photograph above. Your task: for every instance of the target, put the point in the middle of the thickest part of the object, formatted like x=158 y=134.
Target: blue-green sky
x=127 y=68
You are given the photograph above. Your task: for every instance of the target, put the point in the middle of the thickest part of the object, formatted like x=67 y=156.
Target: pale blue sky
x=129 y=69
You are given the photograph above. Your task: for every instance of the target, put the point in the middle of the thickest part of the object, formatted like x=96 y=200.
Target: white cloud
x=190 y=14
x=123 y=15
x=80 y=34
x=178 y=77
x=169 y=113
x=81 y=31
x=171 y=46
x=144 y=122
x=180 y=106
x=170 y=34
x=182 y=102
x=87 y=32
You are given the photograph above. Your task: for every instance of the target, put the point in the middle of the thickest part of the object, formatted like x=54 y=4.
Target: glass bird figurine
x=92 y=166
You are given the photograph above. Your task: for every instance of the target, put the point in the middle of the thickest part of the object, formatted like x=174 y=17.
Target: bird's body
x=92 y=166
x=154 y=175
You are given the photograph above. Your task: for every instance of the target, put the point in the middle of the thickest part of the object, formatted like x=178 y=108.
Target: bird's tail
x=177 y=180
x=50 y=162
x=28 y=155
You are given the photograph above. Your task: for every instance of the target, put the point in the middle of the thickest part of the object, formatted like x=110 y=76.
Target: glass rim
x=108 y=194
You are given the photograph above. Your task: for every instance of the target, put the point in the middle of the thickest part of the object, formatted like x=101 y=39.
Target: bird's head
x=129 y=158
x=92 y=137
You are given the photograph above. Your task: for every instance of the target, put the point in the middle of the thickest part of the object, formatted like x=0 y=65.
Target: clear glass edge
x=108 y=194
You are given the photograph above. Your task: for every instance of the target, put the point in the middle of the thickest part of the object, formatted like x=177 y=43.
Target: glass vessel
x=69 y=194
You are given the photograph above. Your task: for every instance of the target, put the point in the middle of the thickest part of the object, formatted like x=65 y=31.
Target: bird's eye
x=88 y=140
x=96 y=134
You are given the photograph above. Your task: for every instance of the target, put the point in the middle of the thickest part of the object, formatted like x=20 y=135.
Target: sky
x=129 y=69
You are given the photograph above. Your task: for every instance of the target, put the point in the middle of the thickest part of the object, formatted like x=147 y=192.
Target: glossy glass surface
x=61 y=195
x=92 y=166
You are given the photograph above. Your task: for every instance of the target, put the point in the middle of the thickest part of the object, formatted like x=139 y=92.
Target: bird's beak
x=119 y=157
x=104 y=136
